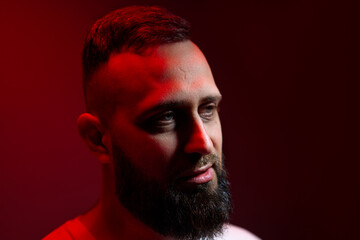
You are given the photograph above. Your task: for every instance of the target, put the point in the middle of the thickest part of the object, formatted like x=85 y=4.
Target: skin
x=164 y=118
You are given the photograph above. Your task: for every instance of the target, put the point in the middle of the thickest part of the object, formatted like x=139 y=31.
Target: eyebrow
x=216 y=98
x=175 y=104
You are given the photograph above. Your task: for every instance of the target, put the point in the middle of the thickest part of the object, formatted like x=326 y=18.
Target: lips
x=198 y=176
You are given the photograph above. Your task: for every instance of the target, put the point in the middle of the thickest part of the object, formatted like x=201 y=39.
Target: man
x=152 y=121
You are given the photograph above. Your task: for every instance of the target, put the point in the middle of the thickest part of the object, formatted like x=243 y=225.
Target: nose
x=199 y=141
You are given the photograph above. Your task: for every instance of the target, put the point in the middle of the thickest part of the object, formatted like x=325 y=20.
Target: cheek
x=164 y=151
x=215 y=134
x=166 y=144
x=150 y=154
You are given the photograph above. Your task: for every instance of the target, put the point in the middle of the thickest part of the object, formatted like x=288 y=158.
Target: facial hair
x=186 y=215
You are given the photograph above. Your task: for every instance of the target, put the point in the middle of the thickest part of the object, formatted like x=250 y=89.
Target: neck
x=110 y=220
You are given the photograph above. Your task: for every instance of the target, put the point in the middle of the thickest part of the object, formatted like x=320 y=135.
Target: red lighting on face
x=282 y=67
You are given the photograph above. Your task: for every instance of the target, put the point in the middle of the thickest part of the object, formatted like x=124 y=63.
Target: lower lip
x=204 y=177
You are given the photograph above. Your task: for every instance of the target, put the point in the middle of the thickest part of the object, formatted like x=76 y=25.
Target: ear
x=92 y=132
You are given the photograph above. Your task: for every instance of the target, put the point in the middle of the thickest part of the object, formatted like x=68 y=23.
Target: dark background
x=282 y=67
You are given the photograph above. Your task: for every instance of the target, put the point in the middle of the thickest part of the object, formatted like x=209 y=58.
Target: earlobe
x=92 y=132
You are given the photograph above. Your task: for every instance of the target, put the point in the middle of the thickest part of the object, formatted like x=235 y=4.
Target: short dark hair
x=131 y=28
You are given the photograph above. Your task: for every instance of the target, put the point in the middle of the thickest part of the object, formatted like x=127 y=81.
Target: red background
x=282 y=67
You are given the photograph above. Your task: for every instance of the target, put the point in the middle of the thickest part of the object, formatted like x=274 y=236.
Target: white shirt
x=232 y=232
x=75 y=230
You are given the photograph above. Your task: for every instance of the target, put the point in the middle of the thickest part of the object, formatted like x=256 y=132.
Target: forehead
x=169 y=72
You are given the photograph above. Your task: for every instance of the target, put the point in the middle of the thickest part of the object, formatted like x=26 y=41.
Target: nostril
x=200 y=144
x=194 y=157
x=198 y=141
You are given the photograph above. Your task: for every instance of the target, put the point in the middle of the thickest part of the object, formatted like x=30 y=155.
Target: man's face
x=165 y=131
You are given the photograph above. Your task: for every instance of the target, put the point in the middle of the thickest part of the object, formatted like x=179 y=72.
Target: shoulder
x=232 y=232
x=71 y=230
x=59 y=233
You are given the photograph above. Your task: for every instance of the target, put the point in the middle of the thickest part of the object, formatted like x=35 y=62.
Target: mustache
x=211 y=159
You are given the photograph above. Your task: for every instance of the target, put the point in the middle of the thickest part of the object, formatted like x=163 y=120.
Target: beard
x=170 y=211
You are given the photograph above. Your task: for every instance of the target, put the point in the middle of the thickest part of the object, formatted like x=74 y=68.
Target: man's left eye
x=207 y=112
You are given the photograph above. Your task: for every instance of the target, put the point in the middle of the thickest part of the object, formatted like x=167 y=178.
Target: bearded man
x=152 y=121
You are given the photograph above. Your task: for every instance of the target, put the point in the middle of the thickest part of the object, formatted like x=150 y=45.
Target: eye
x=161 y=122
x=165 y=118
x=208 y=111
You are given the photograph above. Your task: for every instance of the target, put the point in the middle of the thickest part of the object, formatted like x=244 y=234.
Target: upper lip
x=194 y=172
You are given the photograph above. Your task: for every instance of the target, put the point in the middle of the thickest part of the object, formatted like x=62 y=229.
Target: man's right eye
x=164 y=118
x=161 y=122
